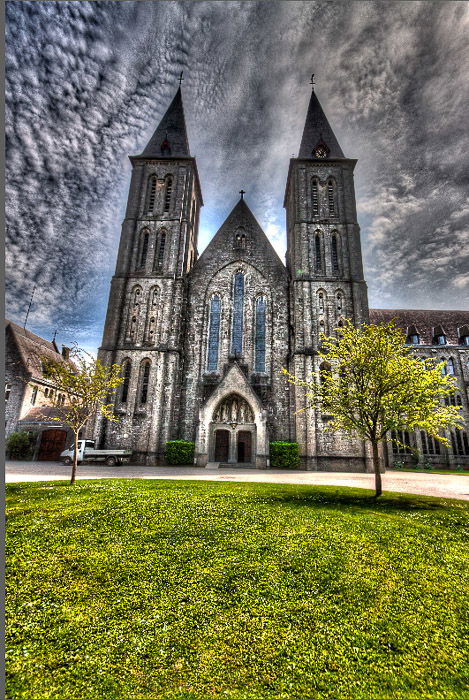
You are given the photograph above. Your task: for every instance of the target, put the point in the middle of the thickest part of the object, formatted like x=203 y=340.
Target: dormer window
x=439 y=336
x=463 y=334
x=413 y=337
x=440 y=339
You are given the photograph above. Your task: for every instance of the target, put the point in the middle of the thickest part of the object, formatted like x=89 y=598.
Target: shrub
x=21 y=445
x=284 y=454
x=179 y=452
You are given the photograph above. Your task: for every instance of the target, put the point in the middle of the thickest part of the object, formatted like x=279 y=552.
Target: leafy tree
x=370 y=385
x=88 y=386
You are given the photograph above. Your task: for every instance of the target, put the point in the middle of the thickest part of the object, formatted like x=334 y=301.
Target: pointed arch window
x=160 y=248
x=238 y=313
x=151 y=194
x=334 y=254
x=127 y=368
x=144 y=247
x=134 y=313
x=321 y=302
x=331 y=197
x=259 y=363
x=315 y=197
x=167 y=193
x=145 y=380
x=450 y=366
x=152 y=314
x=339 y=302
x=214 y=334
x=317 y=252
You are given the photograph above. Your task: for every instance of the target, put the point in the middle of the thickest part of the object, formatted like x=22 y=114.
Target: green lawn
x=430 y=471
x=178 y=589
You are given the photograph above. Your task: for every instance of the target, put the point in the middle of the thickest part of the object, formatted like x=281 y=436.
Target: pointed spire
x=318 y=134
x=170 y=137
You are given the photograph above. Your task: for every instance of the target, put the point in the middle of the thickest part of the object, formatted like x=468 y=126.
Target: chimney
x=65 y=352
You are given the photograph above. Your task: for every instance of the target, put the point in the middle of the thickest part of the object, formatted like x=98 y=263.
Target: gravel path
x=426 y=484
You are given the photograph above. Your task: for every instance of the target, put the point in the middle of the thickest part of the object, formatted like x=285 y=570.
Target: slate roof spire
x=318 y=132
x=170 y=137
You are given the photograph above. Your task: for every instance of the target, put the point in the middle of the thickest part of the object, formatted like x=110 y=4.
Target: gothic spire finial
x=180 y=78
x=312 y=82
x=242 y=193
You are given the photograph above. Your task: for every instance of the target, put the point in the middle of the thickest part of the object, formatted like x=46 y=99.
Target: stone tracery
x=233 y=409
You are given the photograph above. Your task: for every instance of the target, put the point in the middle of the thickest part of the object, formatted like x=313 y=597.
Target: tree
x=370 y=385
x=88 y=386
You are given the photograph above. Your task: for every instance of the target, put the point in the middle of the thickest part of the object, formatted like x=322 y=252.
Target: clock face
x=320 y=151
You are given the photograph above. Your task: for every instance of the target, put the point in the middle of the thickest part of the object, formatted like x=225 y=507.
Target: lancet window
x=167 y=193
x=259 y=363
x=214 y=334
x=238 y=313
x=151 y=193
x=315 y=197
x=145 y=380
x=125 y=385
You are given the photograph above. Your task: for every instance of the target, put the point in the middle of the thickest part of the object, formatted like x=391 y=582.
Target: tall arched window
x=339 y=302
x=214 y=334
x=125 y=385
x=315 y=197
x=317 y=252
x=334 y=254
x=134 y=313
x=144 y=247
x=321 y=302
x=151 y=193
x=238 y=312
x=259 y=363
x=145 y=379
x=160 y=246
x=152 y=314
x=167 y=193
x=450 y=366
x=331 y=197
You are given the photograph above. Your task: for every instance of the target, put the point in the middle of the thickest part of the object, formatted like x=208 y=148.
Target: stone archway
x=233 y=413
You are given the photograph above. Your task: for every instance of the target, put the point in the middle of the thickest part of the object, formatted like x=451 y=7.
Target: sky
x=87 y=83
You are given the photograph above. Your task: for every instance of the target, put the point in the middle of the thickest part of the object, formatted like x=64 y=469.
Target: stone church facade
x=203 y=339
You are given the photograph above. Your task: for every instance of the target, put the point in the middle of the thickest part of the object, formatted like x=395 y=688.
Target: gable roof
x=221 y=248
x=318 y=130
x=32 y=348
x=170 y=136
x=425 y=322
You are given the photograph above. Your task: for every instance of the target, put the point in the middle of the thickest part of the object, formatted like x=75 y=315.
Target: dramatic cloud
x=87 y=82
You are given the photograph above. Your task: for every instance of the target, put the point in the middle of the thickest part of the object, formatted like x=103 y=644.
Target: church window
x=152 y=313
x=439 y=336
x=125 y=384
x=324 y=372
x=430 y=445
x=8 y=391
x=145 y=381
x=334 y=254
x=260 y=335
x=460 y=443
x=238 y=312
x=161 y=243
x=339 y=302
x=443 y=368
x=167 y=193
x=33 y=396
x=464 y=335
x=315 y=197
x=331 y=197
x=400 y=442
x=214 y=334
x=450 y=366
x=317 y=252
x=321 y=302
x=151 y=193
x=144 y=249
x=134 y=313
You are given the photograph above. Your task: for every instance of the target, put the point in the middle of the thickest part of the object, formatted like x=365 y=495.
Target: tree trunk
x=75 y=458
x=378 y=486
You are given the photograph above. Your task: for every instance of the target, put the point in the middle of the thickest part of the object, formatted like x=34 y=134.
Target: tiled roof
x=425 y=322
x=43 y=414
x=32 y=348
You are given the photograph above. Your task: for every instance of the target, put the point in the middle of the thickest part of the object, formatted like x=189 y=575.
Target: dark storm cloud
x=88 y=82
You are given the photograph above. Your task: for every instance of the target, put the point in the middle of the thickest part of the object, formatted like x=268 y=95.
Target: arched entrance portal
x=52 y=444
x=233 y=431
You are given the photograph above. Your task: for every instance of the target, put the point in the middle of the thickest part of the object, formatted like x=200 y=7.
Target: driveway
x=426 y=484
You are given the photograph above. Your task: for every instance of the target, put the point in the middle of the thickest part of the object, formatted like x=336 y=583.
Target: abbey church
x=203 y=339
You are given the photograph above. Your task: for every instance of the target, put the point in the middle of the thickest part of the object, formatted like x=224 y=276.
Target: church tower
x=144 y=322
x=325 y=268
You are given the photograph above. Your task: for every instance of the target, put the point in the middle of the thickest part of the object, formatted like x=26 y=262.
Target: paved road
x=445 y=486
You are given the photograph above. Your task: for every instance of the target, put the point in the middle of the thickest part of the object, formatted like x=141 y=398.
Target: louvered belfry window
x=260 y=335
x=330 y=197
x=334 y=254
x=317 y=250
x=151 y=193
x=214 y=334
x=238 y=311
x=315 y=197
x=145 y=382
x=167 y=194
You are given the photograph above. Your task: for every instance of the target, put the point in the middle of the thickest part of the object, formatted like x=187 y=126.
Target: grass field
x=431 y=471
x=170 y=589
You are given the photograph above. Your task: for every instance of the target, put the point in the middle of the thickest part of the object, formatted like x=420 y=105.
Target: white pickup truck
x=87 y=452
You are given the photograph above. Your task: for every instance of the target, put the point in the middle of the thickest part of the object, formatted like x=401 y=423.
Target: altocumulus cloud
x=87 y=82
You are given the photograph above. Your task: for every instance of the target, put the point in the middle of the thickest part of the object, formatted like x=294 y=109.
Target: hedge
x=21 y=445
x=179 y=452
x=284 y=454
